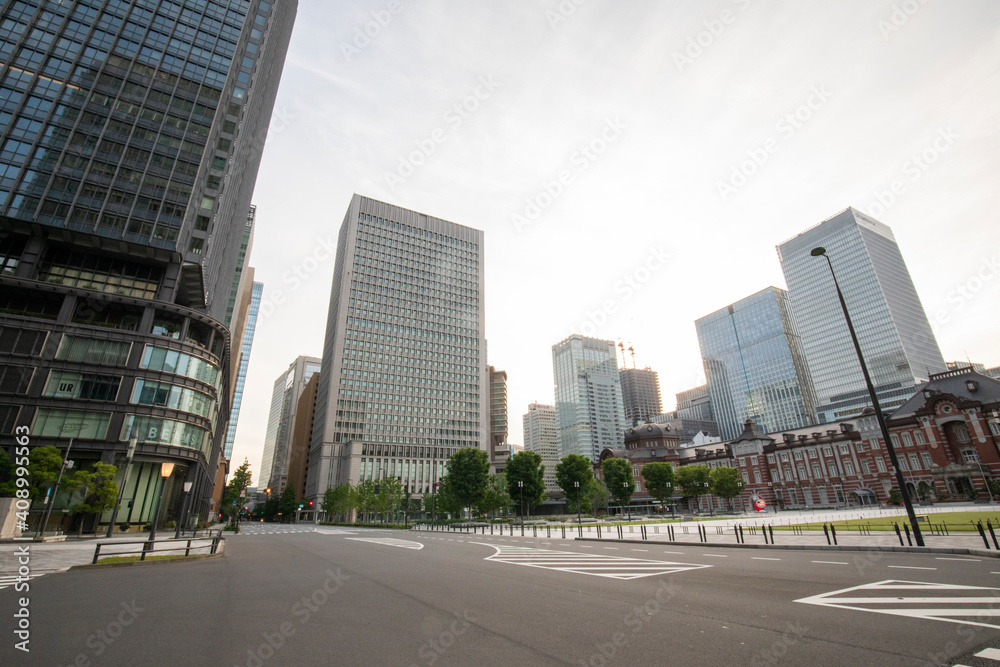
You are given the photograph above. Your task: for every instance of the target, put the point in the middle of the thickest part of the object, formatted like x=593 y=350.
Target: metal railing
x=149 y=548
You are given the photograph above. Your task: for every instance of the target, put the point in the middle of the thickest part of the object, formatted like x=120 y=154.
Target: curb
x=809 y=547
x=183 y=559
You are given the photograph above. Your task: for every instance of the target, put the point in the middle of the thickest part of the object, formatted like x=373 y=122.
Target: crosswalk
x=597 y=565
x=951 y=603
x=8 y=580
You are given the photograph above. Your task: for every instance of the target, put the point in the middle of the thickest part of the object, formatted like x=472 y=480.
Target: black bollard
x=827 y=533
x=989 y=527
x=770 y=529
x=906 y=527
x=898 y=534
x=982 y=533
x=833 y=531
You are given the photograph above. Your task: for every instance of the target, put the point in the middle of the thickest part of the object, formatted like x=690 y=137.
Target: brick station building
x=945 y=435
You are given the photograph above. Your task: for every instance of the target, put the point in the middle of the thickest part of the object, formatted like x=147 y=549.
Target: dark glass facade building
x=755 y=366
x=130 y=138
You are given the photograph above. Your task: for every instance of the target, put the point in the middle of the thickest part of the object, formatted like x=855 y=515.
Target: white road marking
x=989 y=654
x=389 y=541
x=970 y=560
x=910 y=567
x=828 y=562
x=759 y=558
x=598 y=565
x=980 y=604
x=715 y=555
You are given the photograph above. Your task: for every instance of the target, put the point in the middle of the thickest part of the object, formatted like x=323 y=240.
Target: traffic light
x=310 y=503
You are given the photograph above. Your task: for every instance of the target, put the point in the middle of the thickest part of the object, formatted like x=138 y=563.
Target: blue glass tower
x=241 y=375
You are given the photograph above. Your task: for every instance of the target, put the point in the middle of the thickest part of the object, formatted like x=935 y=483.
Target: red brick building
x=946 y=436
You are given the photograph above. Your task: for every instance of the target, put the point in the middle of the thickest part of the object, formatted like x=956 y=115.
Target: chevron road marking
x=389 y=541
x=598 y=565
x=951 y=603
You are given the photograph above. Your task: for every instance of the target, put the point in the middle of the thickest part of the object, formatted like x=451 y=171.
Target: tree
x=660 y=480
x=390 y=493
x=725 y=483
x=573 y=474
x=525 y=479
x=597 y=495
x=270 y=510
x=693 y=480
x=8 y=487
x=338 y=500
x=447 y=501
x=287 y=504
x=618 y=478
x=496 y=497
x=895 y=496
x=43 y=470
x=100 y=491
x=238 y=483
x=923 y=491
x=364 y=496
x=468 y=472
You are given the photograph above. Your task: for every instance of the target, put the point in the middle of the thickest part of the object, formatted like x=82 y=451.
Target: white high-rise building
x=540 y=437
x=589 y=411
x=892 y=327
x=281 y=420
x=404 y=381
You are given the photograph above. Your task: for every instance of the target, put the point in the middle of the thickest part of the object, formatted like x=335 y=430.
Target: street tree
x=43 y=470
x=660 y=480
x=468 y=472
x=338 y=500
x=100 y=491
x=364 y=497
x=496 y=497
x=597 y=496
x=8 y=486
x=390 y=493
x=447 y=500
x=526 y=480
x=287 y=504
x=618 y=478
x=238 y=483
x=725 y=483
x=693 y=480
x=573 y=474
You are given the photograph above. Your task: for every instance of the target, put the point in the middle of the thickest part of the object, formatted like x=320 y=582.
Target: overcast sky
x=633 y=164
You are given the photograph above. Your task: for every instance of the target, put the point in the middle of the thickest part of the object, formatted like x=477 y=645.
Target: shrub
x=123 y=526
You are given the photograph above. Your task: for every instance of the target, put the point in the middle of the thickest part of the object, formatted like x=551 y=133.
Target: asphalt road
x=327 y=596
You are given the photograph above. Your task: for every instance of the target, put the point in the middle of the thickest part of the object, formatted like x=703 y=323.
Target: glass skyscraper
x=404 y=381
x=590 y=414
x=755 y=366
x=131 y=132
x=892 y=328
x=281 y=422
x=241 y=374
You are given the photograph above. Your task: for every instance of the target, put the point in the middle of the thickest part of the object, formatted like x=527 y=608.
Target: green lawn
x=955 y=521
x=132 y=559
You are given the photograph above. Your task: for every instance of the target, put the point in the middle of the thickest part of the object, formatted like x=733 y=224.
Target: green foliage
x=597 y=496
x=923 y=491
x=339 y=500
x=725 y=483
x=496 y=498
x=238 y=482
x=660 y=480
x=287 y=503
x=364 y=496
x=99 y=487
x=389 y=495
x=895 y=496
x=693 y=480
x=526 y=467
x=618 y=478
x=573 y=475
x=468 y=472
x=8 y=486
x=43 y=469
x=446 y=499
x=270 y=509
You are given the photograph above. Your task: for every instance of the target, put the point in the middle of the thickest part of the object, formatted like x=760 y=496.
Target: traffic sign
x=758 y=504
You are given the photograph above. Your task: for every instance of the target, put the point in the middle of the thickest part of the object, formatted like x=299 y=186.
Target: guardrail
x=149 y=548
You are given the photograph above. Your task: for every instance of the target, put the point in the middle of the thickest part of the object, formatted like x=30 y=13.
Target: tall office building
x=130 y=138
x=893 y=331
x=540 y=437
x=498 y=418
x=404 y=381
x=281 y=422
x=589 y=411
x=694 y=404
x=755 y=366
x=640 y=394
x=244 y=363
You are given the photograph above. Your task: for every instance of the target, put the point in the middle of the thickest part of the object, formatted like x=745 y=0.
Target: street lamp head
x=187 y=486
x=816 y=252
x=166 y=469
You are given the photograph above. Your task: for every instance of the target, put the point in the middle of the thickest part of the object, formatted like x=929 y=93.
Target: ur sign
x=758 y=504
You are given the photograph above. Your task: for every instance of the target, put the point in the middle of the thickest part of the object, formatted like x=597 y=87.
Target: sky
x=633 y=165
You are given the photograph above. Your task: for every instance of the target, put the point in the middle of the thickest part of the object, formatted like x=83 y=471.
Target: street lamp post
x=817 y=252
x=985 y=481
x=121 y=491
x=52 y=501
x=166 y=469
x=180 y=520
x=520 y=485
x=628 y=506
x=579 y=519
x=670 y=504
x=711 y=506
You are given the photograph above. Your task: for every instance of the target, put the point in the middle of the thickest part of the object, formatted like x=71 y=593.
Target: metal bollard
x=833 y=531
x=906 y=527
x=598 y=531
x=742 y=538
x=899 y=534
x=989 y=527
x=770 y=529
x=826 y=532
x=982 y=533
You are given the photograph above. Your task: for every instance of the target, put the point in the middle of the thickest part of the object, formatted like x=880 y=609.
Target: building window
x=914 y=462
x=770 y=458
x=907 y=440
x=797 y=454
x=828 y=451
x=66 y=384
x=969 y=456
x=880 y=464
x=15 y=379
x=894 y=439
x=859 y=446
x=817 y=471
x=70 y=424
x=848 y=468
x=926 y=456
x=103 y=274
x=866 y=467
x=845 y=450
x=873 y=443
x=756 y=476
x=746 y=477
x=995 y=427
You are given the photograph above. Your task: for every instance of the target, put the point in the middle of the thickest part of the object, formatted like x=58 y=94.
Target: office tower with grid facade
x=640 y=394
x=246 y=346
x=404 y=381
x=892 y=327
x=755 y=366
x=288 y=388
x=130 y=137
x=589 y=411
x=498 y=418
x=540 y=437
